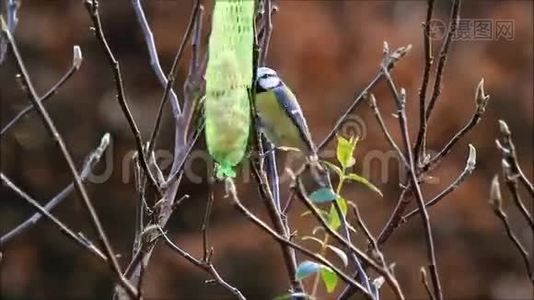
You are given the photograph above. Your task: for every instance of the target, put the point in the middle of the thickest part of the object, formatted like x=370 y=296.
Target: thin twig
x=481 y=101
x=230 y=187
x=363 y=277
x=182 y=146
x=279 y=225
x=92 y=9
x=171 y=77
x=444 y=51
x=206 y=266
x=507 y=147
x=400 y=99
x=420 y=144
x=84 y=243
x=76 y=63
x=174 y=176
x=272 y=173
x=12 y=7
x=205 y=225
x=392 y=59
x=370 y=238
x=496 y=204
x=469 y=168
x=396 y=216
x=512 y=184
x=153 y=54
x=51 y=127
x=91 y=160
x=268 y=29
x=385 y=131
x=375 y=252
x=194 y=90
x=424 y=281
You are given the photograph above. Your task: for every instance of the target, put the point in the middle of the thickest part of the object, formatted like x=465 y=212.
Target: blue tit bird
x=279 y=114
x=282 y=122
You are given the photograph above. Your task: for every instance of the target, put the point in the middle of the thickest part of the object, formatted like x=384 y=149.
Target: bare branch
x=363 y=277
x=512 y=183
x=496 y=203
x=76 y=63
x=279 y=225
x=90 y=162
x=420 y=143
x=83 y=242
x=481 y=101
x=378 y=115
x=268 y=29
x=206 y=266
x=92 y=9
x=12 y=7
x=400 y=99
x=390 y=63
x=205 y=226
x=469 y=168
x=507 y=147
x=396 y=216
x=230 y=187
x=171 y=77
x=424 y=281
x=444 y=51
x=52 y=130
x=153 y=54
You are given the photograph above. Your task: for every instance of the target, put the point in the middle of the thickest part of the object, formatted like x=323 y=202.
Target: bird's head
x=266 y=79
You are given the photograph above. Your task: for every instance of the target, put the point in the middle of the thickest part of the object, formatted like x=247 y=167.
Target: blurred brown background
x=326 y=51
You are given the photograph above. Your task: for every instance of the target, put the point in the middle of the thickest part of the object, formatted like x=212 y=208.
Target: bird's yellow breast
x=277 y=126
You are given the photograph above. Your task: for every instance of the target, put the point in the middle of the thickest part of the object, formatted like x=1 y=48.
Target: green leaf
x=334 y=168
x=307 y=268
x=329 y=278
x=344 y=152
x=322 y=195
x=362 y=180
x=333 y=218
x=340 y=253
x=342 y=204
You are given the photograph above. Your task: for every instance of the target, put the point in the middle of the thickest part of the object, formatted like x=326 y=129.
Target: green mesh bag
x=228 y=80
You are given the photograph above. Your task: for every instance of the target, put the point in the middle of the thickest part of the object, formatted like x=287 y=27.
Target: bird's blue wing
x=290 y=104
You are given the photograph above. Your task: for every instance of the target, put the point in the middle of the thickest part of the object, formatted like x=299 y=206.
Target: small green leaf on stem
x=329 y=278
x=323 y=195
x=362 y=180
x=334 y=168
x=307 y=268
x=345 y=151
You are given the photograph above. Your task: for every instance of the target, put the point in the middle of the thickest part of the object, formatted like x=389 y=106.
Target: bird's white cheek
x=269 y=82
